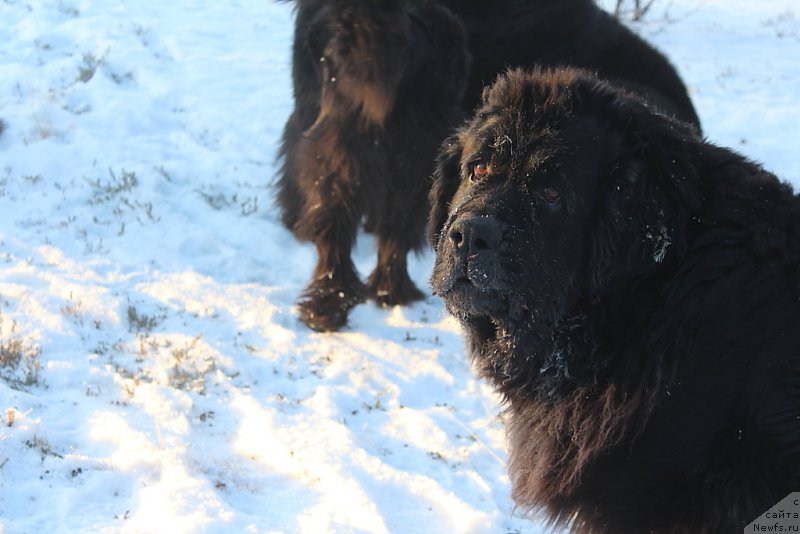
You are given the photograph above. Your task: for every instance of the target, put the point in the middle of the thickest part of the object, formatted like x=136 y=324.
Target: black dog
x=634 y=293
x=378 y=85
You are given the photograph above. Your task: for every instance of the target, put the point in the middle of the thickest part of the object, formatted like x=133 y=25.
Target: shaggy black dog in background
x=378 y=85
x=634 y=293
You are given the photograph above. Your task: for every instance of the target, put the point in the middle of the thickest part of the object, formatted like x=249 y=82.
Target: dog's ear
x=446 y=178
x=649 y=192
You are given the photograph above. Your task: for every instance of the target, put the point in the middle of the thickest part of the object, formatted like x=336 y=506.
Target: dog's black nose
x=474 y=234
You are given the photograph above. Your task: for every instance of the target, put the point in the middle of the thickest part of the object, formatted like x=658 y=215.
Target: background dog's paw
x=325 y=304
x=393 y=287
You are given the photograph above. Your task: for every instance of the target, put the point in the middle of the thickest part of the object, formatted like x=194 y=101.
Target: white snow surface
x=155 y=377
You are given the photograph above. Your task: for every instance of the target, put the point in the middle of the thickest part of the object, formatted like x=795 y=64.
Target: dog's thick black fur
x=551 y=33
x=378 y=84
x=633 y=291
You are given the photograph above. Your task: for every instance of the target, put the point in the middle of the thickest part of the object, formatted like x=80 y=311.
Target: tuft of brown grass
x=19 y=360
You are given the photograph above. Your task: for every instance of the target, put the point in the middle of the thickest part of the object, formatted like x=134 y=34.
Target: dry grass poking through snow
x=19 y=358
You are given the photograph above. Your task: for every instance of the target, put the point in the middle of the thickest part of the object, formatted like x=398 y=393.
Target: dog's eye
x=550 y=195
x=480 y=170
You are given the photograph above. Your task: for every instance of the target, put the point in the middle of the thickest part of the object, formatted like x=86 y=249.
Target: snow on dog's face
x=539 y=203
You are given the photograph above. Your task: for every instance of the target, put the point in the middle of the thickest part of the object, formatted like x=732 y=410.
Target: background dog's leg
x=330 y=221
x=398 y=221
x=334 y=290
x=390 y=282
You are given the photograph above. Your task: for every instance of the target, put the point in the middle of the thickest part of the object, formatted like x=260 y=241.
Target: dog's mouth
x=488 y=313
x=464 y=298
x=484 y=327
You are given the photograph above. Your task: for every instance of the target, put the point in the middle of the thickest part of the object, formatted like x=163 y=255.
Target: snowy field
x=153 y=374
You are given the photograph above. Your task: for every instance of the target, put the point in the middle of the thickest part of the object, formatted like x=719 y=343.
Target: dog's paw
x=393 y=287
x=325 y=305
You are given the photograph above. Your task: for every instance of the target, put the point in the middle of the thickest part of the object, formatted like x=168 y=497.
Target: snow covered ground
x=153 y=374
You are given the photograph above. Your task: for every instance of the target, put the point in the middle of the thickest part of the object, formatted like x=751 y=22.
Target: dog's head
x=560 y=188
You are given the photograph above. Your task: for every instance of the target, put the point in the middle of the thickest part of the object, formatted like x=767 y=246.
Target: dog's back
x=553 y=33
